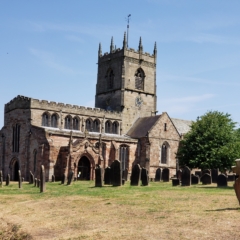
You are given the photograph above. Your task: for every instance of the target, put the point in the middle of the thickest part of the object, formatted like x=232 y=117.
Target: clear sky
x=48 y=50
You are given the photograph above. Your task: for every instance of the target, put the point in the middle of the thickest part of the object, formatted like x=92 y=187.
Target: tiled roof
x=141 y=127
x=183 y=126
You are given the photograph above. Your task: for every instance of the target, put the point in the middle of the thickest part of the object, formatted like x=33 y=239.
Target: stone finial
x=155 y=49
x=100 y=50
x=124 y=41
x=112 y=46
x=140 y=47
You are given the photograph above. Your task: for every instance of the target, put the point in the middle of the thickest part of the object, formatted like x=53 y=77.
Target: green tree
x=212 y=142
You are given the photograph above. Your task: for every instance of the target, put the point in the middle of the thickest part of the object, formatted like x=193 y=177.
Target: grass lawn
x=81 y=211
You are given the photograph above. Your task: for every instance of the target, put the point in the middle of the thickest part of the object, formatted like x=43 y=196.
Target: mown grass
x=156 y=209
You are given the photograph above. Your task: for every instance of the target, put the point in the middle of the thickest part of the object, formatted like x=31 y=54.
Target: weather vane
x=128 y=19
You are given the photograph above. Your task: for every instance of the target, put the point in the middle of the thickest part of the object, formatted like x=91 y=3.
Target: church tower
x=126 y=82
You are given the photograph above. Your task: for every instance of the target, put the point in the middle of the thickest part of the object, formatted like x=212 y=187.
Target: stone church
x=124 y=124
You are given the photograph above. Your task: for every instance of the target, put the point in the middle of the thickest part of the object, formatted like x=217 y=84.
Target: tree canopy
x=212 y=142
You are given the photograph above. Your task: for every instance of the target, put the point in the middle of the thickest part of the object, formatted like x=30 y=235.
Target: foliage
x=212 y=142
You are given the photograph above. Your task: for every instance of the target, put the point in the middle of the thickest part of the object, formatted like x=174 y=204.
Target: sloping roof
x=141 y=127
x=182 y=126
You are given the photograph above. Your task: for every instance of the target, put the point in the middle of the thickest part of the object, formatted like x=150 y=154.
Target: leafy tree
x=212 y=142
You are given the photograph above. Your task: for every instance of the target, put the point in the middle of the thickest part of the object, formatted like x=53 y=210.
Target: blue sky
x=48 y=50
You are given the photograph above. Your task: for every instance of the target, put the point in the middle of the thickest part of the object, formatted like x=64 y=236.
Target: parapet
x=22 y=102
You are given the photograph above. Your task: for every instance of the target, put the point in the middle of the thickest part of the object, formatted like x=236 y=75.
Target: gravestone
x=208 y=171
x=222 y=180
x=1 y=178
x=206 y=179
x=19 y=179
x=31 y=178
x=38 y=183
x=175 y=182
x=158 y=175
x=179 y=175
x=63 y=179
x=125 y=175
x=165 y=175
x=35 y=182
x=107 y=176
x=144 y=177
x=7 y=179
x=136 y=175
x=42 y=179
x=214 y=174
x=70 y=178
x=53 y=178
x=116 y=173
x=98 y=176
x=22 y=179
x=231 y=178
x=186 y=176
x=194 y=179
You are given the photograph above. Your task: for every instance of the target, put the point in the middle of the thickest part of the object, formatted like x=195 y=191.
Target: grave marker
x=165 y=175
x=70 y=178
x=19 y=179
x=7 y=179
x=107 y=176
x=222 y=180
x=206 y=179
x=194 y=179
x=98 y=176
x=42 y=179
x=144 y=177
x=136 y=175
x=116 y=173
x=214 y=174
x=186 y=176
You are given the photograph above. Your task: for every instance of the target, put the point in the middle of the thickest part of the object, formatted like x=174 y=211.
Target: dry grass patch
x=158 y=211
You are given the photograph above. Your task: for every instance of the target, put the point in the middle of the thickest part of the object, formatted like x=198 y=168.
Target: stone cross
x=236 y=185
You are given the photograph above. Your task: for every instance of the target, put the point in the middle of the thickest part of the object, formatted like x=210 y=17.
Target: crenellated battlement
x=22 y=102
x=125 y=51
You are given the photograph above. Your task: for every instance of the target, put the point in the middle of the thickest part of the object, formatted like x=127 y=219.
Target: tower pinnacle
x=140 y=47
x=111 y=46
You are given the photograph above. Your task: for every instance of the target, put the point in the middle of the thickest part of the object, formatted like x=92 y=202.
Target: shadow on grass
x=222 y=188
x=223 y=209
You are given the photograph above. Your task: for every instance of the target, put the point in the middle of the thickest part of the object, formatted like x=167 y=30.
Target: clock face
x=138 y=101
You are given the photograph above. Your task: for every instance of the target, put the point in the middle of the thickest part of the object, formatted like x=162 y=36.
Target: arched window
x=164 y=153
x=124 y=156
x=96 y=125
x=109 y=78
x=108 y=127
x=54 y=119
x=75 y=123
x=68 y=122
x=34 y=161
x=115 y=127
x=139 y=79
x=45 y=119
x=15 y=138
x=89 y=125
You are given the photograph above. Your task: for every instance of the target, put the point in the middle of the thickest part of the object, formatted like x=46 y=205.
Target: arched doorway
x=84 y=168
x=15 y=171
